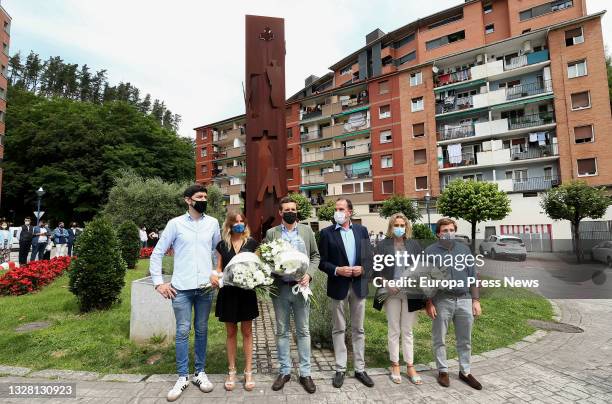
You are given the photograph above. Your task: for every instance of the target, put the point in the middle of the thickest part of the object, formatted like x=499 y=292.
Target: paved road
x=557 y=368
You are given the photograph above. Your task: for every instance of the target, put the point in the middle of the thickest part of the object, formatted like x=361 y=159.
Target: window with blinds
x=418 y=129
x=583 y=134
x=387 y=187
x=420 y=156
x=587 y=167
x=581 y=100
x=421 y=183
x=574 y=37
x=383 y=87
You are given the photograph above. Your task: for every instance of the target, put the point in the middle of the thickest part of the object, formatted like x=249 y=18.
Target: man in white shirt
x=143 y=236
x=193 y=237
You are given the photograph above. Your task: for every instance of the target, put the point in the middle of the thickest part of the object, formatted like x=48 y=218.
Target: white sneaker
x=181 y=384
x=201 y=380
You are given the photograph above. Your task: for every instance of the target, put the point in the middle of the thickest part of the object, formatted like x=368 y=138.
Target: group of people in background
x=148 y=239
x=202 y=250
x=39 y=239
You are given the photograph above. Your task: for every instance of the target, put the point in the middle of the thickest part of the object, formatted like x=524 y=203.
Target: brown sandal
x=396 y=377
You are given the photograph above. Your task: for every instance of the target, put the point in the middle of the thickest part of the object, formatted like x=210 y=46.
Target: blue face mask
x=399 y=231
x=238 y=228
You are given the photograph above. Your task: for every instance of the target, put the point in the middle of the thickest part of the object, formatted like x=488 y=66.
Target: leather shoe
x=280 y=381
x=338 y=380
x=308 y=384
x=364 y=378
x=443 y=379
x=470 y=380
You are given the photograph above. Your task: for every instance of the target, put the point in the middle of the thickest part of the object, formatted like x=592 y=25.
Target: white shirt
x=194 y=242
x=143 y=235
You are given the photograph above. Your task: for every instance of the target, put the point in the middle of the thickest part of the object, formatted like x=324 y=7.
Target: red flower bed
x=33 y=276
x=147 y=251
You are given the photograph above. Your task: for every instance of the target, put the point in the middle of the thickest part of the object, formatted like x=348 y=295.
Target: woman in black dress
x=236 y=305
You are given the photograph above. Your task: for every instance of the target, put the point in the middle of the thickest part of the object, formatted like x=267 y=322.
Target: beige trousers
x=399 y=323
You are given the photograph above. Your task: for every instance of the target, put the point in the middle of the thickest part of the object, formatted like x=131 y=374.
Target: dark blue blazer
x=333 y=254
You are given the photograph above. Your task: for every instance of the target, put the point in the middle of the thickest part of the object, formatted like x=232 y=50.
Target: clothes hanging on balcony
x=444 y=79
x=533 y=137
x=454 y=153
x=542 y=138
x=355 y=122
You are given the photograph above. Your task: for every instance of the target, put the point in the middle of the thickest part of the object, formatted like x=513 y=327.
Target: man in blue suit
x=344 y=250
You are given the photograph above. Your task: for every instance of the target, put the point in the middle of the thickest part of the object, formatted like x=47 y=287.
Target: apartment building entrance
x=537 y=237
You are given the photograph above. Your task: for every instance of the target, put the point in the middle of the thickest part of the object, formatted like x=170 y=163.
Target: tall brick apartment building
x=5 y=34
x=510 y=91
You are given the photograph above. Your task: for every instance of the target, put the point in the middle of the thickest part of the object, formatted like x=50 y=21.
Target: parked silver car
x=602 y=252
x=503 y=246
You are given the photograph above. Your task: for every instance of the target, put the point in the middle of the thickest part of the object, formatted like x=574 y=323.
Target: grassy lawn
x=100 y=342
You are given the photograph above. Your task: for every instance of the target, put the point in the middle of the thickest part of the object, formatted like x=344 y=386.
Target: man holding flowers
x=287 y=299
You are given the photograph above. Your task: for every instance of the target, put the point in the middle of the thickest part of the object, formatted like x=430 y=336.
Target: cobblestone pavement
x=549 y=367
x=265 y=357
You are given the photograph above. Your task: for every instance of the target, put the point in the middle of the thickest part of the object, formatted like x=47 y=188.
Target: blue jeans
x=182 y=304
x=38 y=251
x=284 y=303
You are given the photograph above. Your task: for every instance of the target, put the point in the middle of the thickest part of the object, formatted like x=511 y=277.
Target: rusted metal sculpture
x=266 y=138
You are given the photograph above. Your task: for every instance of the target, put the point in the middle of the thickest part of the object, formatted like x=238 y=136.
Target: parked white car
x=602 y=252
x=504 y=246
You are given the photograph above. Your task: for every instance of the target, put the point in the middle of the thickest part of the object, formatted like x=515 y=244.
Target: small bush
x=321 y=320
x=421 y=231
x=98 y=275
x=129 y=239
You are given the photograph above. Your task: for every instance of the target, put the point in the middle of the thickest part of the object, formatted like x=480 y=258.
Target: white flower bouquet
x=246 y=271
x=283 y=259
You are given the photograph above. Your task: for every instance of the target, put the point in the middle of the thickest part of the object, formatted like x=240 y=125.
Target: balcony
x=355 y=102
x=236 y=152
x=357 y=149
x=535 y=183
x=333 y=177
x=526 y=60
x=452 y=104
x=235 y=170
x=305 y=137
x=332 y=109
x=529 y=121
x=314 y=156
x=311 y=113
x=332 y=154
x=466 y=159
x=313 y=179
x=235 y=189
x=528 y=90
x=351 y=174
x=455 y=132
x=446 y=79
x=533 y=152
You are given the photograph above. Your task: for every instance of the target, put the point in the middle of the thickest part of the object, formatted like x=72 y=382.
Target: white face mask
x=339 y=217
x=448 y=235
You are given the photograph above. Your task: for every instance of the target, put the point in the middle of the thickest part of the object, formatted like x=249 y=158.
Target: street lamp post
x=40 y=192
x=427 y=198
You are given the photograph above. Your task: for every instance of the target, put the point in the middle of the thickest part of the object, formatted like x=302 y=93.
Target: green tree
x=150 y=202
x=129 y=240
x=326 y=211
x=304 y=207
x=75 y=150
x=16 y=69
x=574 y=201
x=216 y=206
x=31 y=71
x=474 y=202
x=421 y=231
x=400 y=204
x=98 y=275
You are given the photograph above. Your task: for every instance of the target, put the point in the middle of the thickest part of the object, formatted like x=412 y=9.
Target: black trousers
x=24 y=250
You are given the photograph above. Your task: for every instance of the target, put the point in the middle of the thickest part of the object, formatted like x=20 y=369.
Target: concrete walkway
x=549 y=367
